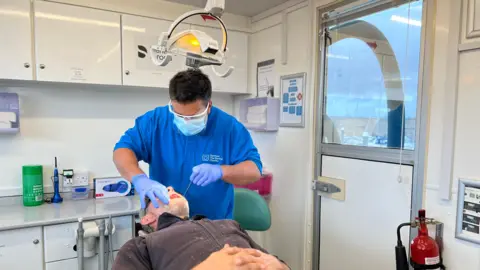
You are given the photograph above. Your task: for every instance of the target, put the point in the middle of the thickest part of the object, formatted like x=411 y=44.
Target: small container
x=80 y=193
x=32 y=178
x=262 y=186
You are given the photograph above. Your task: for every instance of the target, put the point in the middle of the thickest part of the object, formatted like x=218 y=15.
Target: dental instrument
x=101 y=250
x=80 y=232
x=184 y=194
x=56 y=185
x=110 y=241
x=86 y=246
x=199 y=48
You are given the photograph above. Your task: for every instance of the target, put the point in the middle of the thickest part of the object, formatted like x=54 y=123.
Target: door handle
x=325 y=187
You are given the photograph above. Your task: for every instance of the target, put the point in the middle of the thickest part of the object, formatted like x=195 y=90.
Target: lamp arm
x=200 y=12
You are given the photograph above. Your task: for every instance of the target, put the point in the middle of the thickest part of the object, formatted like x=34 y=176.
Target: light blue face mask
x=190 y=125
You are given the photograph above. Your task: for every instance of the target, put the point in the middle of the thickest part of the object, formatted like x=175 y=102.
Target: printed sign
x=292 y=103
x=266 y=78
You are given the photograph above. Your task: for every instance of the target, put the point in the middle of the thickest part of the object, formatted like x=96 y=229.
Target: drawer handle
x=26 y=65
x=42 y=66
x=36 y=241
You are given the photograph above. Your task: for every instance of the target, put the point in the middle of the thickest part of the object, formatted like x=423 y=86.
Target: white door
x=75 y=44
x=138 y=35
x=359 y=233
x=367 y=139
x=15 y=245
x=237 y=56
x=16 y=42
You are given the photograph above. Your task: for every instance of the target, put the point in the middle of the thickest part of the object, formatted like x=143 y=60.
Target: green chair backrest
x=251 y=210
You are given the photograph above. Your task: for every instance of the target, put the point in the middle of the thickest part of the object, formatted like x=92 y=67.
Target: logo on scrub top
x=211 y=158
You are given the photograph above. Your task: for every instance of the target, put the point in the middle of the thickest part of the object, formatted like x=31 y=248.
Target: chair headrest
x=251 y=210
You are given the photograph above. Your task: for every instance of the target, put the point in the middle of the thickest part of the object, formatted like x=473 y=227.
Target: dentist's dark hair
x=189 y=86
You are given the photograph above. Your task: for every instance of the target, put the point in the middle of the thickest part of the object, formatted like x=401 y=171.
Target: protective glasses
x=188 y=117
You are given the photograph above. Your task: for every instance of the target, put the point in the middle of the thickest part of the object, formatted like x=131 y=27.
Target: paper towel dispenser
x=9 y=113
x=260 y=114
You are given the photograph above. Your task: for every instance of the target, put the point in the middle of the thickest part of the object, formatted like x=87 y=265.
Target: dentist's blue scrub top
x=171 y=155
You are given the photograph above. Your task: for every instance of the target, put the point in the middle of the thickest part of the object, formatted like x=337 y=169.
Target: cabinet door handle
x=36 y=241
x=42 y=66
x=26 y=65
x=127 y=72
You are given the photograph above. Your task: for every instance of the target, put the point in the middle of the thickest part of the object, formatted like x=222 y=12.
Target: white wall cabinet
x=75 y=44
x=138 y=35
x=237 y=56
x=16 y=42
x=90 y=46
x=471 y=21
x=16 y=244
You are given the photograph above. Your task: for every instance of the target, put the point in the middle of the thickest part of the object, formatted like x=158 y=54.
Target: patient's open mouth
x=174 y=196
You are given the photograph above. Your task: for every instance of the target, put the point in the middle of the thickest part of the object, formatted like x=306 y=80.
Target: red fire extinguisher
x=424 y=250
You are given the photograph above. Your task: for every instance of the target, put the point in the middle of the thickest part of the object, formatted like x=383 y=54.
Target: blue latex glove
x=205 y=174
x=151 y=189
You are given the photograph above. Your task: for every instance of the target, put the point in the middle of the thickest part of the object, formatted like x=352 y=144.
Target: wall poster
x=292 y=94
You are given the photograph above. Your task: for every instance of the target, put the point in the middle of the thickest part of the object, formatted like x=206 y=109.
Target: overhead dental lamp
x=199 y=48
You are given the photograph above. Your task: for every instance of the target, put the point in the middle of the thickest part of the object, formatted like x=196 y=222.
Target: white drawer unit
x=237 y=56
x=138 y=35
x=76 y=44
x=21 y=249
x=72 y=264
x=60 y=240
x=16 y=40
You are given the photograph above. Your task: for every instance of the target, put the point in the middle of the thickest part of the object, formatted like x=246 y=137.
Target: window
x=371 y=83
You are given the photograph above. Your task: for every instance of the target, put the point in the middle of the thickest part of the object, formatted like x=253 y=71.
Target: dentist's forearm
x=241 y=174
x=126 y=163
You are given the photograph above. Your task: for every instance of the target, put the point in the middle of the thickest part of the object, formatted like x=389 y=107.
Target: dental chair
x=251 y=210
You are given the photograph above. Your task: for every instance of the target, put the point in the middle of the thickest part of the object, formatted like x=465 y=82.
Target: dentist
x=189 y=141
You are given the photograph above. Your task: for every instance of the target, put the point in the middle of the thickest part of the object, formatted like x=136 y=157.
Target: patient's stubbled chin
x=178 y=207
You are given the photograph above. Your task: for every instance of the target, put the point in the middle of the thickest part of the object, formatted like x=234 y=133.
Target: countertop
x=13 y=215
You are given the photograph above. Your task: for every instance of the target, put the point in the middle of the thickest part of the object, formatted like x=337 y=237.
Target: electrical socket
x=80 y=178
x=67 y=182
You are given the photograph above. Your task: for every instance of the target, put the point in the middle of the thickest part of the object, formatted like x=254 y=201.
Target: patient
x=179 y=243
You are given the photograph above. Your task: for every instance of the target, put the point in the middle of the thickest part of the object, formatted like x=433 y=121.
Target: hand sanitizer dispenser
x=9 y=113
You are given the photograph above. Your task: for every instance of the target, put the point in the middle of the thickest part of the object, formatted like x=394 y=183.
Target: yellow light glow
x=195 y=42
x=189 y=43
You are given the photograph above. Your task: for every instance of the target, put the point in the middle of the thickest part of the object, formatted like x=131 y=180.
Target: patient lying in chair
x=179 y=243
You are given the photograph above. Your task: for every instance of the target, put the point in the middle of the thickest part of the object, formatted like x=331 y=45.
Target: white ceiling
x=247 y=8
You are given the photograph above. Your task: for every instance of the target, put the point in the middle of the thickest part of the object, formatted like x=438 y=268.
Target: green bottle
x=32 y=185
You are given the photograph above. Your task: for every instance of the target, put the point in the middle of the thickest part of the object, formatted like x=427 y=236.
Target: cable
x=399 y=237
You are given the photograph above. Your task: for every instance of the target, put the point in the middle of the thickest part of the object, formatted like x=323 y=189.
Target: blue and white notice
x=292 y=101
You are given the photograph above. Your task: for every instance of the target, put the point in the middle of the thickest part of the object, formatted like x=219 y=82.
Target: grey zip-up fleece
x=181 y=244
